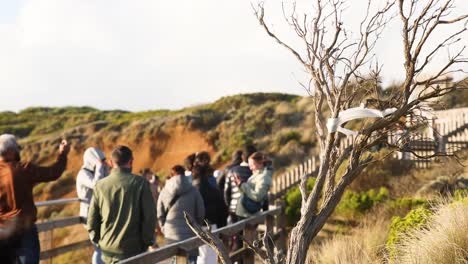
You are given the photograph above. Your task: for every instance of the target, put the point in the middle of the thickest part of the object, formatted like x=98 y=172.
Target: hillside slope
x=279 y=124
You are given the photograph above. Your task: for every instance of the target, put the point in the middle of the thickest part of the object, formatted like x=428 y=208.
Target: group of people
x=124 y=212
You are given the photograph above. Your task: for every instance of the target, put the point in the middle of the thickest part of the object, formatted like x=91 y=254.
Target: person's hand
x=237 y=179
x=153 y=247
x=64 y=147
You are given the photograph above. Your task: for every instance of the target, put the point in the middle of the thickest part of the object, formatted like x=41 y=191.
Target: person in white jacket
x=94 y=168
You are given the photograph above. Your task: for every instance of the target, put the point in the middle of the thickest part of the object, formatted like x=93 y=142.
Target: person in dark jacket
x=221 y=180
x=153 y=181
x=231 y=190
x=188 y=163
x=215 y=210
x=203 y=159
x=19 y=241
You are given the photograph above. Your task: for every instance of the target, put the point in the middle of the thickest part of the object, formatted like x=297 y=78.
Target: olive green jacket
x=122 y=214
x=256 y=188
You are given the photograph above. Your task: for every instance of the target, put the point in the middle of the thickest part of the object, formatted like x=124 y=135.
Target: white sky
x=151 y=54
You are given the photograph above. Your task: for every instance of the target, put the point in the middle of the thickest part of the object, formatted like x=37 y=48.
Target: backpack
x=250 y=205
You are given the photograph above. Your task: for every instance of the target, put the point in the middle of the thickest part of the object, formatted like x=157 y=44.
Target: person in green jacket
x=256 y=187
x=122 y=214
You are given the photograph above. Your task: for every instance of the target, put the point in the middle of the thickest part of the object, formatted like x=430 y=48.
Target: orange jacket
x=17 y=180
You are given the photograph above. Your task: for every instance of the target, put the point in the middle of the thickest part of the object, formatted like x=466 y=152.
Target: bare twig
x=206 y=236
x=267 y=255
x=256 y=249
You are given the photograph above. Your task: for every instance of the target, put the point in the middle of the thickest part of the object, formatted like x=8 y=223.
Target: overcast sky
x=150 y=54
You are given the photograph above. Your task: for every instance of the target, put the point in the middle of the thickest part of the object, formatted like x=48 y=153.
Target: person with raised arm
x=18 y=213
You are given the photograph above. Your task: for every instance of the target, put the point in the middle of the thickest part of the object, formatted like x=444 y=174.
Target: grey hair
x=8 y=141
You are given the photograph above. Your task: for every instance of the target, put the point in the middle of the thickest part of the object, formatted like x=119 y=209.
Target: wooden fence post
x=49 y=243
x=314 y=165
x=182 y=257
x=250 y=235
x=281 y=225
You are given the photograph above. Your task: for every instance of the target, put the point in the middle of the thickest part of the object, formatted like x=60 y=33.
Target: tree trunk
x=309 y=226
x=298 y=246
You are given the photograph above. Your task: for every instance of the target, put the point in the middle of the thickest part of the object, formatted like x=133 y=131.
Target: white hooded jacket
x=91 y=171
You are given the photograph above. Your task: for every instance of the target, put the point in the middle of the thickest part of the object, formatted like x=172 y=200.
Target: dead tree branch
x=267 y=256
x=206 y=236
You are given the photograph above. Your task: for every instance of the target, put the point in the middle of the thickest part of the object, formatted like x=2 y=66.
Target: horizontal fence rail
x=183 y=247
x=46 y=228
x=57 y=202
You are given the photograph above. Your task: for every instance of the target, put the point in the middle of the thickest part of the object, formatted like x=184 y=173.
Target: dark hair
x=203 y=158
x=261 y=158
x=145 y=171
x=121 y=155
x=248 y=151
x=177 y=170
x=197 y=172
x=236 y=158
x=189 y=160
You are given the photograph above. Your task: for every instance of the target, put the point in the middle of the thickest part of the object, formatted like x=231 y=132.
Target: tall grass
x=364 y=246
x=444 y=241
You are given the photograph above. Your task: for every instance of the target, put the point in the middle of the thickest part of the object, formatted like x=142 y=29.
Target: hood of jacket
x=178 y=185
x=91 y=158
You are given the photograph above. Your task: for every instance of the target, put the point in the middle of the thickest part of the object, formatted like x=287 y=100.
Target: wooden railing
x=447 y=133
x=47 y=228
x=273 y=220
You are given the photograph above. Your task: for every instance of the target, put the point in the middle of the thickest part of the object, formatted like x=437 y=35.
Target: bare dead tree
x=339 y=80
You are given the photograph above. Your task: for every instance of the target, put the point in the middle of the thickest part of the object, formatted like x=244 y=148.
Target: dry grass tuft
x=364 y=245
x=444 y=241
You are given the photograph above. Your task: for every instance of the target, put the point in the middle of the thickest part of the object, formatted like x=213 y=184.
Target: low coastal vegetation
x=387 y=225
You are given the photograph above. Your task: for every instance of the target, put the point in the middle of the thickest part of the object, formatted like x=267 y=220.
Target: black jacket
x=216 y=211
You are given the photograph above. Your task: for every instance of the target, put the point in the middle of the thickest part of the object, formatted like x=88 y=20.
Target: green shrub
x=460 y=195
x=400 y=227
x=205 y=119
x=242 y=100
x=19 y=130
x=284 y=138
x=353 y=203
x=294 y=202
x=241 y=139
x=39 y=189
x=60 y=187
x=409 y=203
